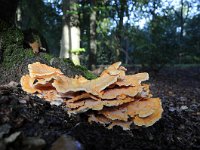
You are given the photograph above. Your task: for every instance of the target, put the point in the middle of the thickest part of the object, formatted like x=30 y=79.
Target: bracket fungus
x=114 y=98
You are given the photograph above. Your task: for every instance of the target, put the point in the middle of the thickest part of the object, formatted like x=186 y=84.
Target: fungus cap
x=64 y=84
x=150 y=120
x=115 y=113
x=95 y=104
x=111 y=123
x=124 y=124
x=27 y=84
x=113 y=70
x=82 y=96
x=88 y=104
x=133 y=80
x=39 y=70
x=115 y=92
x=98 y=119
x=143 y=107
x=49 y=95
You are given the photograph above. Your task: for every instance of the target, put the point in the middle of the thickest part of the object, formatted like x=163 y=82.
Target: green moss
x=67 y=60
x=69 y=69
x=12 y=36
x=87 y=74
x=15 y=57
x=12 y=45
x=47 y=57
x=3 y=25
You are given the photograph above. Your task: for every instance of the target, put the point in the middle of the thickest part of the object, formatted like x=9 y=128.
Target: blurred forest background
x=149 y=33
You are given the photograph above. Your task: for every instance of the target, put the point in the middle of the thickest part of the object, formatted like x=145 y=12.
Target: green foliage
x=192 y=43
x=156 y=44
x=107 y=49
x=78 y=51
x=47 y=56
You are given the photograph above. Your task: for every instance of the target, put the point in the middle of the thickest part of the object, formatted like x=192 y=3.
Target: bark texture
x=71 y=33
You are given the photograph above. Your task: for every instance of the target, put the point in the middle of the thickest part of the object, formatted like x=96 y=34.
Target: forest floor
x=29 y=123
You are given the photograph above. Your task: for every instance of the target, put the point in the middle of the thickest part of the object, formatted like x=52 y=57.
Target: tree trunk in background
x=121 y=17
x=18 y=16
x=93 y=46
x=71 y=32
x=182 y=28
x=181 y=21
x=121 y=12
x=180 y=16
x=153 y=32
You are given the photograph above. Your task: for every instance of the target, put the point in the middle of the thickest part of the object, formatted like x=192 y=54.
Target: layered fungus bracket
x=114 y=98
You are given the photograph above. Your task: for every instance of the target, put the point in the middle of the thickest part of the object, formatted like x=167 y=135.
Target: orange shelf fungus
x=133 y=80
x=108 y=123
x=99 y=119
x=143 y=107
x=64 y=84
x=27 y=84
x=114 y=98
x=42 y=70
x=112 y=70
x=115 y=92
x=115 y=113
x=50 y=95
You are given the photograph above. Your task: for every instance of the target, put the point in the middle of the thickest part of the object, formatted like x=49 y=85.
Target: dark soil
x=179 y=127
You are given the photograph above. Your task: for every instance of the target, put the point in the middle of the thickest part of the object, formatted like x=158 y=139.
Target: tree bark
x=181 y=21
x=18 y=17
x=121 y=12
x=93 y=46
x=71 y=31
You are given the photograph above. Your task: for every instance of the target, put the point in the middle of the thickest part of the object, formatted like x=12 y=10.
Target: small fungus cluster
x=114 y=98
